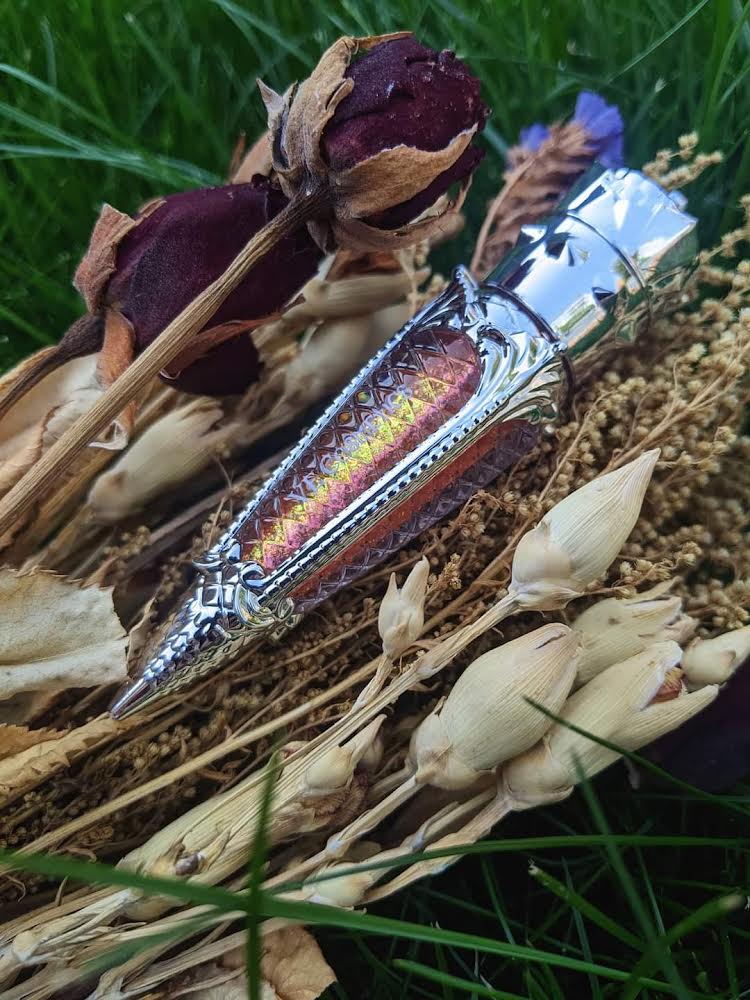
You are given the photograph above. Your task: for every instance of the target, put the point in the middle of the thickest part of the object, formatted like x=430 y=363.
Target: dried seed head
x=174 y=448
x=617 y=628
x=623 y=705
x=713 y=661
x=334 y=769
x=401 y=615
x=575 y=542
x=487 y=718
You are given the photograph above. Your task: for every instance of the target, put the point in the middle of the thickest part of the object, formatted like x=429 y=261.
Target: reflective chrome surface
x=591 y=275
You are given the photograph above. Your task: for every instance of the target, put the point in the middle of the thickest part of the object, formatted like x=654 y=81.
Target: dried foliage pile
x=126 y=524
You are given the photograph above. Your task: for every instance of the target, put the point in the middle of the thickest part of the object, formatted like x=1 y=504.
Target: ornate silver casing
x=591 y=275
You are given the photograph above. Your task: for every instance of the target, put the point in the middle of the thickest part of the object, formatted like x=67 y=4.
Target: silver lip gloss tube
x=454 y=398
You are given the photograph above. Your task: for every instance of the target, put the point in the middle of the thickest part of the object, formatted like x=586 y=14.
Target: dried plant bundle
x=400 y=683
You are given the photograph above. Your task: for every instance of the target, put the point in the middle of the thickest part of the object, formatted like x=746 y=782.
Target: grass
x=107 y=100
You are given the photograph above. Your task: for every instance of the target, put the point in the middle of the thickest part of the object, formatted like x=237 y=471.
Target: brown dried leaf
x=56 y=634
x=257 y=160
x=534 y=183
x=15 y=739
x=292 y=965
x=27 y=768
x=393 y=176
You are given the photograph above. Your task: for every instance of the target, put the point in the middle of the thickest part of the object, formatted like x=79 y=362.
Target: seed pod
x=401 y=614
x=621 y=705
x=713 y=661
x=575 y=542
x=487 y=718
x=615 y=629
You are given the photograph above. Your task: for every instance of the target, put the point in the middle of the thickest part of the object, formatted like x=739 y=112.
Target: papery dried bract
x=401 y=614
x=170 y=451
x=617 y=628
x=713 y=661
x=621 y=705
x=57 y=634
x=488 y=717
x=575 y=542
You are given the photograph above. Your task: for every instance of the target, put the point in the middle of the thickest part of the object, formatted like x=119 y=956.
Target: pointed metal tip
x=131 y=698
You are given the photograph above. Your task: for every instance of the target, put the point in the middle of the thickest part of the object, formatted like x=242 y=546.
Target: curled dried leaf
x=56 y=634
x=50 y=752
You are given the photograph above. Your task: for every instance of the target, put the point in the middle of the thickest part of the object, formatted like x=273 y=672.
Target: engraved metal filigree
x=591 y=274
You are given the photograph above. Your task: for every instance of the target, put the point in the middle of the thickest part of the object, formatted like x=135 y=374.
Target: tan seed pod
x=622 y=705
x=617 y=628
x=575 y=542
x=713 y=661
x=401 y=614
x=488 y=717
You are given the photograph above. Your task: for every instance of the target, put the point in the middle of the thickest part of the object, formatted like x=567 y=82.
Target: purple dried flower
x=184 y=245
x=601 y=122
x=398 y=87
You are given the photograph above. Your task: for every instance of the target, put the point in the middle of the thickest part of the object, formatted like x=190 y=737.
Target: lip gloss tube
x=454 y=398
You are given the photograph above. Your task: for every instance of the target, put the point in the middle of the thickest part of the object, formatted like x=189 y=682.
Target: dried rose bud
x=141 y=271
x=387 y=135
x=177 y=248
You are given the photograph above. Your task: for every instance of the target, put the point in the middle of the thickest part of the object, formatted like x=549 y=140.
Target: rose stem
x=53 y=464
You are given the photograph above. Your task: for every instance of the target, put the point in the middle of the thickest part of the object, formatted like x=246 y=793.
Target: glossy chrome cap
x=596 y=271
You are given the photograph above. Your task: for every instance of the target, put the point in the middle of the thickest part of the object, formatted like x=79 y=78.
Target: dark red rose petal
x=189 y=240
x=226 y=370
x=402 y=88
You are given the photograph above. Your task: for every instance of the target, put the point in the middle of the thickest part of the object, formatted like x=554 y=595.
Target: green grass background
x=119 y=100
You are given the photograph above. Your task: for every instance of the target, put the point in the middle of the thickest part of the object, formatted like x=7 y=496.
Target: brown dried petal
x=393 y=176
x=99 y=260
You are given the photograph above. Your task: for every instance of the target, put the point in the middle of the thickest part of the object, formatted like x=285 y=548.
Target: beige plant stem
x=41 y=478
